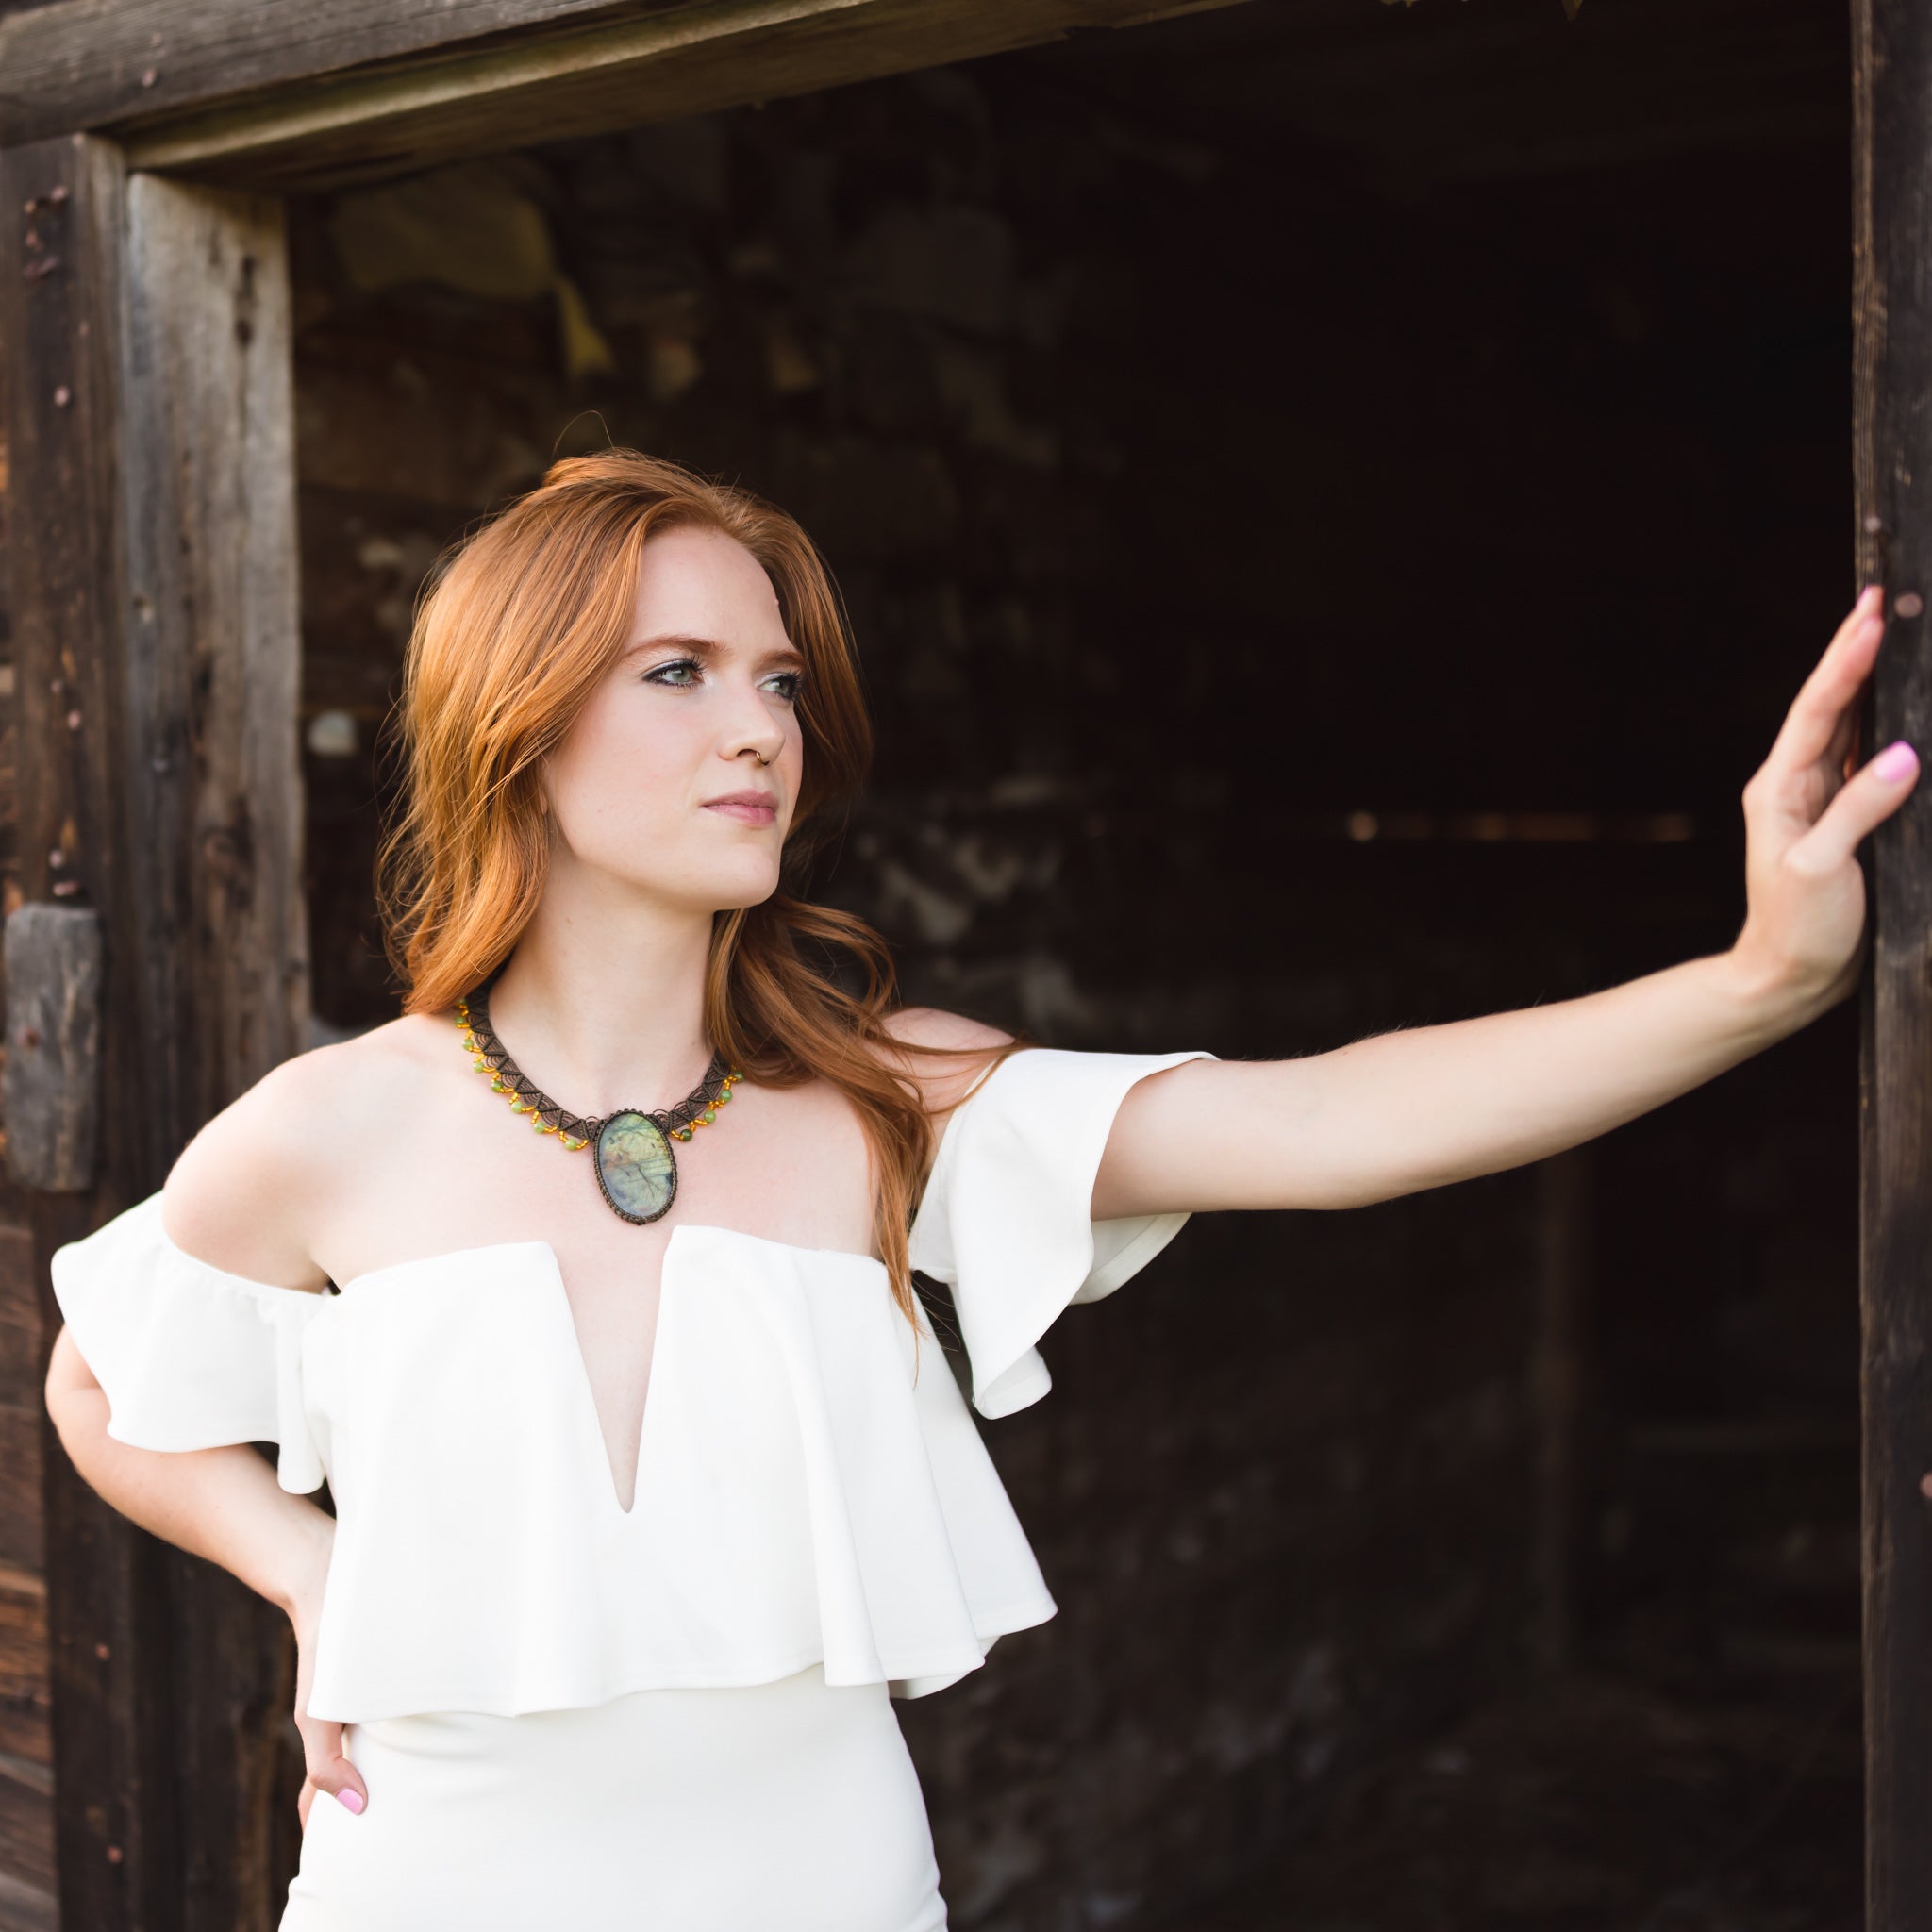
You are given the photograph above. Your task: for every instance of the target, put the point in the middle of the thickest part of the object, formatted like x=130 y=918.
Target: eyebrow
x=697 y=647
x=707 y=648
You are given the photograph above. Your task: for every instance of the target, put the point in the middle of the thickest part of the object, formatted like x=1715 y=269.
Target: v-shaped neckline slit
x=573 y=1341
x=574 y=1337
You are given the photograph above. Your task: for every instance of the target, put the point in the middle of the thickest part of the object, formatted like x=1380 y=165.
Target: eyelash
x=793 y=680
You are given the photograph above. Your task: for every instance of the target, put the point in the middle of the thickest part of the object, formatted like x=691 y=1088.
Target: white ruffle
x=189 y=1356
x=799 y=1500
x=1007 y=1216
x=803 y=1495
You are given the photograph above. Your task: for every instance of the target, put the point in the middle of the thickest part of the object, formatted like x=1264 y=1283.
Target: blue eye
x=685 y=674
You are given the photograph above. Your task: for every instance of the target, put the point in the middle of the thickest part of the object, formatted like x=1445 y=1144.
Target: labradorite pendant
x=636 y=1167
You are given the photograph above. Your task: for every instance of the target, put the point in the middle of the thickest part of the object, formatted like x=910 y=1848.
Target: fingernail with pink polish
x=350 y=1797
x=1896 y=761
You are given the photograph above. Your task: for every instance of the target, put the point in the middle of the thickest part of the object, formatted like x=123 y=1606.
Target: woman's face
x=682 y=773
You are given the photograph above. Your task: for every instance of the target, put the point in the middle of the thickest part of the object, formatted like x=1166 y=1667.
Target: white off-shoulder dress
x=676 y=1718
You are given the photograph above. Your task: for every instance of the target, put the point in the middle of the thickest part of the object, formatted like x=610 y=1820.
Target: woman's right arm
x=222 y=1504
x=225 y=1504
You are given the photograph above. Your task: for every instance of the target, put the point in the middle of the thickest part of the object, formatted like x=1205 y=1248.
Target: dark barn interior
x=1334 y=500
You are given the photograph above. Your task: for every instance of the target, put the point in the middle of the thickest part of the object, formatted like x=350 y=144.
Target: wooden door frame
x=157 y=649
x=286 y=96
x=1892 y=62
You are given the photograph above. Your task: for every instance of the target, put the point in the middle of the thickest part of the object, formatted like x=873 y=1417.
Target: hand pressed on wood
x=1806 y=810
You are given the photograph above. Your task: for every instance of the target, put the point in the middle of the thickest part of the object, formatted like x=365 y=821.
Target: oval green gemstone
x=636 y=1165
x=708 y=1116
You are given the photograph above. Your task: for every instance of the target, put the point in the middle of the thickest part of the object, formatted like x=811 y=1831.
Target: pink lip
x=748 y=808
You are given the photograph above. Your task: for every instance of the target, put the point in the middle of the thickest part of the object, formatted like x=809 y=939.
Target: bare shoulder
x=931 y=1026
x=251 y=1189
x=945 y=1053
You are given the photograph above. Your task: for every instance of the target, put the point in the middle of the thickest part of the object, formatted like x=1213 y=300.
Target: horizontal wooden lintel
x=507 y=74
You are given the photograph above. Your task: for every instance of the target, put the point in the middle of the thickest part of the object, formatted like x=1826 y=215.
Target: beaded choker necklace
x=637 y=1169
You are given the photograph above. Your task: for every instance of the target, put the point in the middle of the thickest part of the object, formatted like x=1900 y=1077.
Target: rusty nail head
x=1909 y=605
x=62 y=396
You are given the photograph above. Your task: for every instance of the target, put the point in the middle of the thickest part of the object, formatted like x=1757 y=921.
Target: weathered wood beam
x=212 y=633
x=152 y=595
x=1892 y=463
x=587 y=78
x=211 y=644
x=59 y=269
x=73 y=65
x=50 y=1088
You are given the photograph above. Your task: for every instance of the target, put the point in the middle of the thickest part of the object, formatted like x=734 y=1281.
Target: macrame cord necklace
x=636 y=1166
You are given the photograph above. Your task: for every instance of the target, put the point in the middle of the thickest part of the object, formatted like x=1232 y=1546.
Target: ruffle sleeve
x=189 y=1355
x=1006 y=1218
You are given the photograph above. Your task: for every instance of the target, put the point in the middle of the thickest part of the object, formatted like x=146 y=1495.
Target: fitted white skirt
x=790 y=1804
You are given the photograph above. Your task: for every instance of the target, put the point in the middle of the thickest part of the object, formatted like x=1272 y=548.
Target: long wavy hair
x=515 y=630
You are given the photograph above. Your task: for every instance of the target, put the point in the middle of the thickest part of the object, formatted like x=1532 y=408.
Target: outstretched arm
x=1420 y=1107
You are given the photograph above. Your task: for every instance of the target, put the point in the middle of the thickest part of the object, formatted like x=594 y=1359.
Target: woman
x=651 y=1486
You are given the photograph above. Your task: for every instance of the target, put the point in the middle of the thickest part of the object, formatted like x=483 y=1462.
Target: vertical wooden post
x=58 y=206
x=152 y=597
x=1891 y=46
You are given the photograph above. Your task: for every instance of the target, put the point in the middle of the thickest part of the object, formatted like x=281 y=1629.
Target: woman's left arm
x=1422 y=1107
